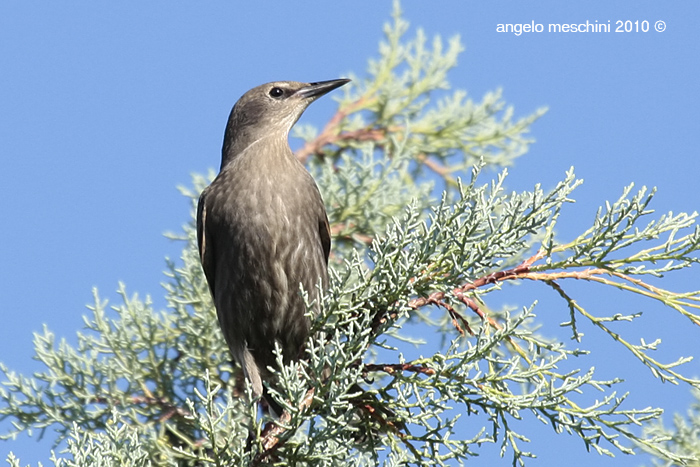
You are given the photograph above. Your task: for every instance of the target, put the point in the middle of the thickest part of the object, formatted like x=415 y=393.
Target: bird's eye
x=276 y=93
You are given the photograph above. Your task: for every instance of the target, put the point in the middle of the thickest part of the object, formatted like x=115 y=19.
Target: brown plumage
x=262 y=229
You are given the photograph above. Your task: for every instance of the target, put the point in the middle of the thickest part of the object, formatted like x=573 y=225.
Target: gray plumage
x=262 y=229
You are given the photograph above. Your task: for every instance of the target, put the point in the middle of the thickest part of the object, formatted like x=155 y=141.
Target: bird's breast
x=269 y=246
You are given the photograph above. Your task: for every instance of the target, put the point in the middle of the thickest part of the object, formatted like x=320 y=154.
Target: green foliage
x=118 y=445
x=158 y=388
x=681 y=441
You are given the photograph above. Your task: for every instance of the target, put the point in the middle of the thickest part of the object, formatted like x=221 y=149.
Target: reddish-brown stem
x=394 y=367
x=329 y=133
x=270 y=435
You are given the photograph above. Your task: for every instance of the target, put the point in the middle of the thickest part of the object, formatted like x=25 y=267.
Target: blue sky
x=106 y=107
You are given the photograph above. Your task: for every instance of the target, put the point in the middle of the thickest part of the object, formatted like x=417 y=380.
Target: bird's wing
x=325 y=230
x=206 y=251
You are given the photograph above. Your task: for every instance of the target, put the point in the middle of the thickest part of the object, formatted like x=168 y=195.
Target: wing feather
x=324 y=229
x=206 y=250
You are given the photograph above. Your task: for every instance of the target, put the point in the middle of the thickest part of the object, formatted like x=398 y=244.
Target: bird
x=263 y=232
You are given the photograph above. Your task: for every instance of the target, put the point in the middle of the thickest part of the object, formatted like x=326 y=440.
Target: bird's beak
x=314 y=90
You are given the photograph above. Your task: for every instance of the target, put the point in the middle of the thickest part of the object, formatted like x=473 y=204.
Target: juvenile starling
x=262 y=229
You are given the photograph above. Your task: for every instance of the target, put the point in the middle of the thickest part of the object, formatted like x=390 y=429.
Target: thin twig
x=391 y=368
x=270 y=435
x=330 y=131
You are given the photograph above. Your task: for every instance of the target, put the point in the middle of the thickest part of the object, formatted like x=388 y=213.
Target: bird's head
x=271 y=109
